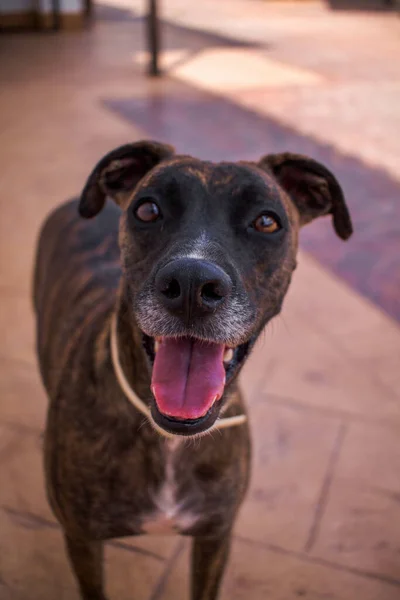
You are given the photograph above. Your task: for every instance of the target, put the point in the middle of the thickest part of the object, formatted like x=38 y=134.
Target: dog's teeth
x=228 y=355
x=156 y=346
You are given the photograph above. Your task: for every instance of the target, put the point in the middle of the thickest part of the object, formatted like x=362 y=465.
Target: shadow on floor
x=364 y=5
x=173 y=36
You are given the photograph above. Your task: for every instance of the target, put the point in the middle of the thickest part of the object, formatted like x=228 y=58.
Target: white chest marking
x=170 y=515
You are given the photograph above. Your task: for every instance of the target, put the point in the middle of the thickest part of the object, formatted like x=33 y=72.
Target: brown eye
x=266 y=224
x=147 y=212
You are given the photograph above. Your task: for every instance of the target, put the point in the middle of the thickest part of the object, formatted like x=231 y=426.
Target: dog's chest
x=172 y=513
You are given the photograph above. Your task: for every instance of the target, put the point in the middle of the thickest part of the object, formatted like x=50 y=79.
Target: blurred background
x=237 y=79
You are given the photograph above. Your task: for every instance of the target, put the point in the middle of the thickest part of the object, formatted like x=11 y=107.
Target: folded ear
x=118 y=173
x=312 y=188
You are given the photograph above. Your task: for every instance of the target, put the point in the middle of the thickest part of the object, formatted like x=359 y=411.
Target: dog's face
x=208 y=251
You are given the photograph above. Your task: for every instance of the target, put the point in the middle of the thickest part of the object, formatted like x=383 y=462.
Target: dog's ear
x=118 y=173
x=312 y=188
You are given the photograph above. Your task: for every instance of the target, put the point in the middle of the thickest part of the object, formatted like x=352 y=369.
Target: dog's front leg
x=87 y=562
x=209 y=556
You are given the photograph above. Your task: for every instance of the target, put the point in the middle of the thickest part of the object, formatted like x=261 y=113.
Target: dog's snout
x=192 y=287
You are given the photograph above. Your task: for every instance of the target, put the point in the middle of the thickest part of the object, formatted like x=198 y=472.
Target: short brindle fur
x=109 y=471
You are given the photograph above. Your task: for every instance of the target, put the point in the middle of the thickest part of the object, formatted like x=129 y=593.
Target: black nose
x=191 y=287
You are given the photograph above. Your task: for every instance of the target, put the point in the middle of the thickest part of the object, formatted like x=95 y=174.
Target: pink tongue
x=187 y=376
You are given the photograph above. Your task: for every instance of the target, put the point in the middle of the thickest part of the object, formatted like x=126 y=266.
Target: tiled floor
x=321 y=520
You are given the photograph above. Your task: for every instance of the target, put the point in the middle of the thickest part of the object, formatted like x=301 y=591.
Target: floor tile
x=281 y=505
x=352 y=129
x=355 y=326
x=157 y=547
x=361 y=525
x=302 y=363
x=16 y=325
x=131 y=576
x=258 y=573
x=9 y=440
x=22 y=470
x=35 y=566
x=236 y=69
x=335 y=308
x=24 y=401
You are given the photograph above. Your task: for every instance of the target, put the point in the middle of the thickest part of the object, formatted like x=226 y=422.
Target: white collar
x=134 y=398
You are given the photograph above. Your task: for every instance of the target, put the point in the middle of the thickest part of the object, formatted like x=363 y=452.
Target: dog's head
x=208 y=251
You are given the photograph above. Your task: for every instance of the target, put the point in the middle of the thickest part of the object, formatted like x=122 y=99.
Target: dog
x=145 y=316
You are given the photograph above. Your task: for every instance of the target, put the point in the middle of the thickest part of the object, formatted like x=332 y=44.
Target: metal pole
x=56 y=15
x=88 y=8
x=153 y=32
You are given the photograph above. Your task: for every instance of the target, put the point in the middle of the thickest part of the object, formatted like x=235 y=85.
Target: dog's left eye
x=147 y=212
x=266 y=223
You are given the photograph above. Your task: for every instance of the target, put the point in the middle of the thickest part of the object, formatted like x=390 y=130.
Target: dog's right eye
x=147 y=212
x=266 y=223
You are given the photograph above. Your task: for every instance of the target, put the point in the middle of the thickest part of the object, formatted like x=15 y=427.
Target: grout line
x=325 y=489
x=321 y=561
x=169 y=70
x=14 y=291
x=296 y=404
x=22 y=428
x=11 y=446
x=264 y=339
x=158 y=590
x=335 y=340
x=29 y=520
x=20 y=361
x=4 y=585
x=136 y=550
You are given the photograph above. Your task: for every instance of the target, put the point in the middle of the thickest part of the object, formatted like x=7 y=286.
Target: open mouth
x=188 y=381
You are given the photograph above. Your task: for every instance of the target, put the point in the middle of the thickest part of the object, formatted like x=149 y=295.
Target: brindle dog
x=193 y=262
